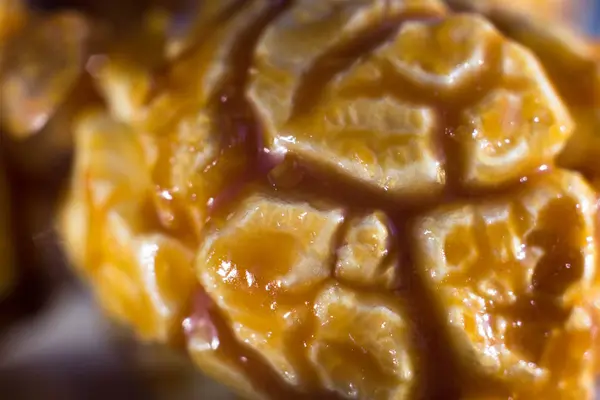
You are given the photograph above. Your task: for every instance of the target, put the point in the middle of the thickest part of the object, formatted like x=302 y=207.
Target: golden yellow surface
x=573 y=65
x=512 y=274
x=347 y=199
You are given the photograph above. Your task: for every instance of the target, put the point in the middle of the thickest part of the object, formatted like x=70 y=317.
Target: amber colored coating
x=511 y=273
x=573 y=65
x=351 y=199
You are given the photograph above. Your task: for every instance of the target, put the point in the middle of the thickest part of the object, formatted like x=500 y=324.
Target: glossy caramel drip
x=340 y=199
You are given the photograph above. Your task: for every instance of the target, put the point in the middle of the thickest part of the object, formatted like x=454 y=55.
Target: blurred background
x=54 y=341
x=56 y=344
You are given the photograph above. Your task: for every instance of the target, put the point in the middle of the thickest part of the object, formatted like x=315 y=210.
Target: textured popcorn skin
x=564 y=55
x=361 y=199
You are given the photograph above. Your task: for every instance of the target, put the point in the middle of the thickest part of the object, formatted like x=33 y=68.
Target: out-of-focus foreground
x=54 y=340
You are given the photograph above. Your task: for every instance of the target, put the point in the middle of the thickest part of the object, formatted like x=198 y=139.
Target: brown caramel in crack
x=259 y=268
x=379 y=121
x=510 y=275
x=342 y=199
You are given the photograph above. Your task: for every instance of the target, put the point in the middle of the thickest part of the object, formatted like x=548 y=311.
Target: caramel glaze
x=239 y=126
x=563 y=57
x=243 y=130
x=562 y=61
x=264 y=378
x=242 y=137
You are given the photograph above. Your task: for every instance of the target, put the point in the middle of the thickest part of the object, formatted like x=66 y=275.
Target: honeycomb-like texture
x=341 y=199
x=380 y=120
x=564 y=55
x=510 y=275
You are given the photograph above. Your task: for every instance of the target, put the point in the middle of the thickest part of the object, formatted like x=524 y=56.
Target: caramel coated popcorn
x=353 y=199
